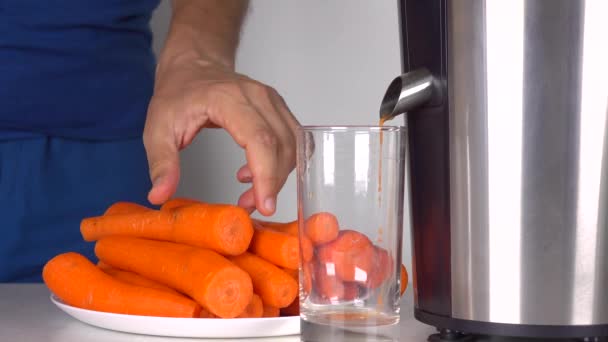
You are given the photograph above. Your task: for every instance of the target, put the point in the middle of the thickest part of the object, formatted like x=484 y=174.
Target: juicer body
x=508 y=165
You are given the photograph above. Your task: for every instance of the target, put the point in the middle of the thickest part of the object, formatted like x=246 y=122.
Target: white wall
x=331 y=61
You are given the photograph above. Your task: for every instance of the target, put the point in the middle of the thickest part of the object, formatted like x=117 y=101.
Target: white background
x=330 y=60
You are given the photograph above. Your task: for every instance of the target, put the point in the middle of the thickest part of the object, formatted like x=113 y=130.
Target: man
x=79 y=87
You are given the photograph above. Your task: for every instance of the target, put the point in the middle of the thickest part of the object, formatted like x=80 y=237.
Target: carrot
x=270 y=311
x=151 y=224
x=290 y=228
x=103 y=266
x=404 y=279
x=206 y=314
x=321 y=228
x=351 y=253
x=278 y=248
x=381 y=269
x=295 y=274
x=77 y=282
x=273 y=285
x=306 y=248
x=351 y=291
x=255 y=309
x=327 y=285
x=178 y=202
x=125 y=208
x=202 y=274
x=332 y=288
x=134 y=279
x=292 y=310
x=225 y=229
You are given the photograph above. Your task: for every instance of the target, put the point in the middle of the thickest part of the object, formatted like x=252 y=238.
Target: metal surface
x=528 y=103
x=407 y=92
x=518 y=157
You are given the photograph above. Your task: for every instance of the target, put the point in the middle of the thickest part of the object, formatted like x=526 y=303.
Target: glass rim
x=353 y=128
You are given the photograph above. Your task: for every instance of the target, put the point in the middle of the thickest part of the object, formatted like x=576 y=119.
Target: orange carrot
x=292 y=310
x=206 y=276
x=295 y=274
x=381 y=269
x=255 y=309
x=226 y=229
x=134 y=278
x=404 y=279
x=321 y=228
x=351 y=291
x=77 y=282
x=351 y=253
x=327 y=285
x=206 y=314
x=151 y=224
x=178 y=202
x=103 y=266
x=306 y=248
x=125 y=208
x=270 y=311
x=330 y=287
x=273 y=285
x=290 y=228
x=278 y=248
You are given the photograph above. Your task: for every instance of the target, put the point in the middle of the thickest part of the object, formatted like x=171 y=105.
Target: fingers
x=247 y=200
x=262 y=154
x=268 y=142
x=163 y=160
x=244 y=174
x=254 y=115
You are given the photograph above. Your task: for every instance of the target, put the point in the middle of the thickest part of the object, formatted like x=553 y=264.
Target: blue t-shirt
x=79 y=69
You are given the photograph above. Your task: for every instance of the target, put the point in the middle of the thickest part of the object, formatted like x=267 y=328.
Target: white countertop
x=28 y=315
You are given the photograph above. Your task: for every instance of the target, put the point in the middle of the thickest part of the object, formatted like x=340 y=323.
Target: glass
x=350 y=217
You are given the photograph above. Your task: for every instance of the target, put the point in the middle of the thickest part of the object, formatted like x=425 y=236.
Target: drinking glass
x=350 y=183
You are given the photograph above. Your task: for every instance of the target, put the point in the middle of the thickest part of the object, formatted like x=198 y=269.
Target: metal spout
x=406 y=92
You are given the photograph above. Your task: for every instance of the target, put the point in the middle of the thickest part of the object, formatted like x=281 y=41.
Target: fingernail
x=269 y=204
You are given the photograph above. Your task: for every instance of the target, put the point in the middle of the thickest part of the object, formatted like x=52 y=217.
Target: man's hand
x=197 y=87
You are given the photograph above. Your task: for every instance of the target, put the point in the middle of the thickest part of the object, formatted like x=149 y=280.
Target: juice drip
x=381 y=124
x=383 y=119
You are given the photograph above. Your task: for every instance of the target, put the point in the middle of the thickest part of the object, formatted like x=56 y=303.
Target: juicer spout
x=406 y=92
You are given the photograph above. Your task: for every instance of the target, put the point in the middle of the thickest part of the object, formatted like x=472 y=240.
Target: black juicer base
x=458 y=330
x=446 y=335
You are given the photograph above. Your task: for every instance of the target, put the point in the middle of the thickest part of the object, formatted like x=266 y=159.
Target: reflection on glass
x=329 y=160
x=361 y=162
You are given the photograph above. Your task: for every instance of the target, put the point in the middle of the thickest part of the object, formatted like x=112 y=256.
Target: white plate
x=185 y=327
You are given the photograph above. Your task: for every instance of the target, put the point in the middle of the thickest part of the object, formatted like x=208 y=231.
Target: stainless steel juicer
x=506 y=105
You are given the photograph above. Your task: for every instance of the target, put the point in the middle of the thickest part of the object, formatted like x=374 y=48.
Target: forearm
x=206 y=30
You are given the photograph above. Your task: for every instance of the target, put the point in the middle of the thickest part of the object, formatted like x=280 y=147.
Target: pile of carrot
x=200 y=260
x=345 y=262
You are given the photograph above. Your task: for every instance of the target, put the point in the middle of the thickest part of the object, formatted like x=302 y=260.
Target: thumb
x=163 y=160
